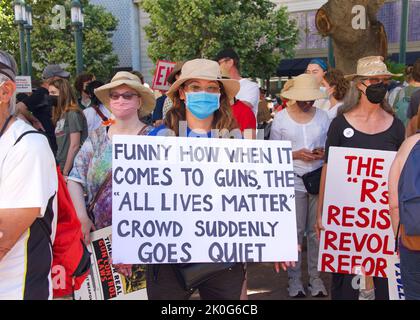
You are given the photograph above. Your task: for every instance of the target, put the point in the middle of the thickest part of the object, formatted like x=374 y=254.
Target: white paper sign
x=395 y=285
x=23 y=84
x=358 y=237
x=182 y=200
x=163 y=70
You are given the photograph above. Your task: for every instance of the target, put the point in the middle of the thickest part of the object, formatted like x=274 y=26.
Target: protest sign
x=23 y=84
x=358 y=237
x=163 y=70
x=103 y=282
x=395 y=285
x=185 y=200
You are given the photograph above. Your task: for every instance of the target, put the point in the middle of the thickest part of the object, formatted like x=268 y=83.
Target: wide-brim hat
x=204 y=69
x=131 y=80
x=303 y=88
x=372 y=66
x=178 y=67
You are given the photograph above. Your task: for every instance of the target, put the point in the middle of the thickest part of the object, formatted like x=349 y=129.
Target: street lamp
x=28 y=28
x=20 y=19
x=77 y=22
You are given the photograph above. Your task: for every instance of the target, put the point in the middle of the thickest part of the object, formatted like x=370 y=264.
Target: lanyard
x=3 y=129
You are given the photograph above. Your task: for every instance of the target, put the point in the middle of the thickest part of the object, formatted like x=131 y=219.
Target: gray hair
x=353 y=96
x=9 y=61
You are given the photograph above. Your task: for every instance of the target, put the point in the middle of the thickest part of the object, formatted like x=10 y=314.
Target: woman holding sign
x=306 y=127
x=201 y=100
x=127 y=99
x=365 y=121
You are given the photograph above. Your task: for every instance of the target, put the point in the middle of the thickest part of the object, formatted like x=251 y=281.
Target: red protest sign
x=358 y=236
x=163 y=70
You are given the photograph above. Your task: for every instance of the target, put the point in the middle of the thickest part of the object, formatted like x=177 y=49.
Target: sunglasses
x=125 y=95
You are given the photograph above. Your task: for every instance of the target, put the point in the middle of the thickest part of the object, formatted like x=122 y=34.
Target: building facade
x=130 y=42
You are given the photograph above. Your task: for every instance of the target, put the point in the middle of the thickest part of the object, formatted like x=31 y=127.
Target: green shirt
x=71 y=122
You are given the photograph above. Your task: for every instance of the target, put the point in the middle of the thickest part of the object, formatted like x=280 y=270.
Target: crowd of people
x=319 y=109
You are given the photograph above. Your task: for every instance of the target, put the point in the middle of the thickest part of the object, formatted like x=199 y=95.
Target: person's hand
x=38 y=125
x=287 y=264
x=87 y=228
x=319 y=153
x=304 y=155
x=318 y=226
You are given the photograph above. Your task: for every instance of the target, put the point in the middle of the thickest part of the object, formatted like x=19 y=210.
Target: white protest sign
x=23 y=84
x=179 y=200
x=163 y=70
x=358 y=237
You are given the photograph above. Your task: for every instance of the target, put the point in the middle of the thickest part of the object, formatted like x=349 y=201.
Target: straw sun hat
x=372 y=66
x=131 y=80
x=204 y=69
x=303 y=88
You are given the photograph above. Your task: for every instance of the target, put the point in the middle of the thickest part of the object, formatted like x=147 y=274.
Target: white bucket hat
x=204 y=69
x=370 y=67
x=131 y=80
x=303 y=88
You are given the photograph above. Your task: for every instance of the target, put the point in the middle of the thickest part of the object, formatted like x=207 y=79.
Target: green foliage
x=187 y=29
x=396 y=68
x=58 y=46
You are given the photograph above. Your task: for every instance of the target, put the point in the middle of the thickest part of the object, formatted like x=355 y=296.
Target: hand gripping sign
x=185 y=200
x=358 y=236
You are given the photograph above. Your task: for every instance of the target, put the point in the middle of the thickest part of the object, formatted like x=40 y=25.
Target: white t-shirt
x=94 y=121
x=309 y=136
x=332 y=112
x=249 y=92
x=28 y=179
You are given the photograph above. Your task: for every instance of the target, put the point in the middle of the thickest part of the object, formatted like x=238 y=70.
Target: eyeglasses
x=197 y=88
x=125 y=95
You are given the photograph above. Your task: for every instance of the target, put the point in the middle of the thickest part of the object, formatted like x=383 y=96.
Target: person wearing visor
x=366 y=121
x=28 y=187
x=306 y=127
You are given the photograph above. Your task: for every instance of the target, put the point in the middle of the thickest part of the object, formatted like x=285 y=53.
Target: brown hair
x=415 y=73
x=223 y=117
x=82 y=78
x=335 y=78
x=66 y=99
x=352 y=99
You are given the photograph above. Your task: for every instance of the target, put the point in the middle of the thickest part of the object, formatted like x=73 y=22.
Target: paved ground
x=265 y=284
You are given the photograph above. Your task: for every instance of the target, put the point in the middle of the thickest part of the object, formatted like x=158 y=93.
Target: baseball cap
x=54 y=70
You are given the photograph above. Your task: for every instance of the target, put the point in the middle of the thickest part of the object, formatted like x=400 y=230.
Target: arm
x=319 y=226
x=394 y=175
x=13 y=223
x=73 y=149
x=77 y=197
x=411 y=126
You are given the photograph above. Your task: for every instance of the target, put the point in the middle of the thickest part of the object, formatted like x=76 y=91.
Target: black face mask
x=53 y=100
x=376 y=93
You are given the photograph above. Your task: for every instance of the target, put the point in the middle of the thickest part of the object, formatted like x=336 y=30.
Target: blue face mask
x=202 y=104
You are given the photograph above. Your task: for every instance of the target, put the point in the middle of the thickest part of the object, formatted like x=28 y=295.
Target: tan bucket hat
x=177 y=68
x=303 y=88
x=370 y=67
x=131 y=80
x=204 y=69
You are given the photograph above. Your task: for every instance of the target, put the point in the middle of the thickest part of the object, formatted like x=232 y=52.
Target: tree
x=50 y=45
x=354 y=29
x=187 y=29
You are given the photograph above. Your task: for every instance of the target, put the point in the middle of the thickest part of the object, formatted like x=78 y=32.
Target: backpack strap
x=29 y=132
x=100 y=113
